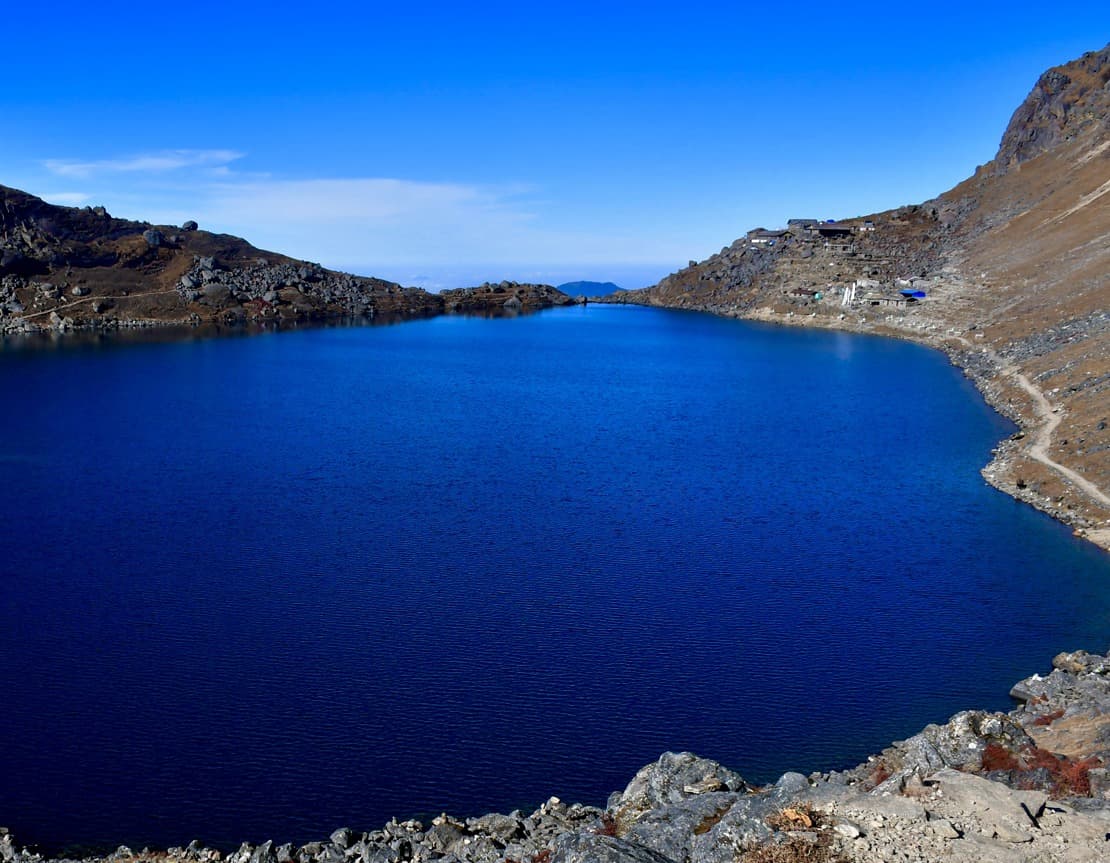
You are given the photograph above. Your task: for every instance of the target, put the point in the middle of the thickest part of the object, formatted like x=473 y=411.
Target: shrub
x=607 y=827
x=998 y=757
x=1068 y=777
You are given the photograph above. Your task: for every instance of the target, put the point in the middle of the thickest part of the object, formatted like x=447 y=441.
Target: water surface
x=262 y=587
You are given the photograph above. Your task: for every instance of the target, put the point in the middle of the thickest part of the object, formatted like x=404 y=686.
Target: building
x=802 y=227
x=763 y=237
x=835 y=230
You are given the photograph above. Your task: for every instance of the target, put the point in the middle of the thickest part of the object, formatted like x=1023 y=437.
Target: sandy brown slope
x=1015 y=262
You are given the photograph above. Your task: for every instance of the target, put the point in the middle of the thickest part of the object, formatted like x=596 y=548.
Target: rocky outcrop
x=1065 y=100
x=1030 y=785
x=507 y=297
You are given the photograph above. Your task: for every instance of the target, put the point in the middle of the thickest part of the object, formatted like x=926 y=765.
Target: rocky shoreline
x=1028 y=785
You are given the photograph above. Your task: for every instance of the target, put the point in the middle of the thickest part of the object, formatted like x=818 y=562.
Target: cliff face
x=1065 y=102
x=1014 y=265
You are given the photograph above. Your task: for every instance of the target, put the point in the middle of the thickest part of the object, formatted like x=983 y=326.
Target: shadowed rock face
x=1066 y=100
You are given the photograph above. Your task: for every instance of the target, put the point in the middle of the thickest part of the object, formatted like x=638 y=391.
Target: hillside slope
x=63 y=268
x=1009 y=272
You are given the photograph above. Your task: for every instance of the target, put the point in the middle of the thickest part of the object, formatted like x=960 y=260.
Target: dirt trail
x=70 y=305
x=1048 y=418
x=1039 y=449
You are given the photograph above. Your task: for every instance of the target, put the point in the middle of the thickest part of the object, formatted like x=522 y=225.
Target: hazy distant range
x=589 y=289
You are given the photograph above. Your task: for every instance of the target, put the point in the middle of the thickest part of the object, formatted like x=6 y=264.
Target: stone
x=1013 y=835
x=942 y=828
x=189 y=225
x=79 y=291
x=663 y=781
x=848 y=830
x=1081 y=662
x=264 y=853
x=342 y=837
x=672 y=829
x=501 y=828
x=154 y=238
x=790 y=785
x=441 y=837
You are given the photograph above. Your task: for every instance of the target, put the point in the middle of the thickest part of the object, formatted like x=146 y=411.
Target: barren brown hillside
x=63 y=268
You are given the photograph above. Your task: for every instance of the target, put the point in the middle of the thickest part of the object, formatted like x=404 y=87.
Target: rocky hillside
x=63 y=268
x=1029 y=785
x=1009 y=273
x=504 y=296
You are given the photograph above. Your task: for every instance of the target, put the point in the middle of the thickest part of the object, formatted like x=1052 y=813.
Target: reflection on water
x=177 y=333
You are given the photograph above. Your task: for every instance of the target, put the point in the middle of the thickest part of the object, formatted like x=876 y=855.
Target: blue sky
x=443 y=144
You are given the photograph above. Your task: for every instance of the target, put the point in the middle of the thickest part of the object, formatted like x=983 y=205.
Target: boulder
x=500 y=828
x=666 y=782
x=154 y=238
x=189 y=226
x=1082 y=662
x=343 y=838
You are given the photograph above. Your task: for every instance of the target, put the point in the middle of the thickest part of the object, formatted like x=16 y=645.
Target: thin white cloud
x=363 y=223
x=366 y=218
x=160 y=162
x=66 y=199
x=371 y=201
x=358 y=221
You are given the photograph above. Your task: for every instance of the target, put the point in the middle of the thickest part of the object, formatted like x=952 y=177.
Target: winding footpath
x=89 y=299
x=1048 y=418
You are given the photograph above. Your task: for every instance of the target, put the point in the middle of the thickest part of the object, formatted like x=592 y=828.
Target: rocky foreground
x=1029 y=785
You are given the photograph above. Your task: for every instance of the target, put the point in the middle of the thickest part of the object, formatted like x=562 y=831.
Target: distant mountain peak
x=586 y=288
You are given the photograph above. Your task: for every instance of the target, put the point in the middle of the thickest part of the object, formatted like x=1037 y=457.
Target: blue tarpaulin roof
x=917 y=295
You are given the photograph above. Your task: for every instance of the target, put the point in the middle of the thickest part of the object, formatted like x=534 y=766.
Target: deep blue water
x=263 y=587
